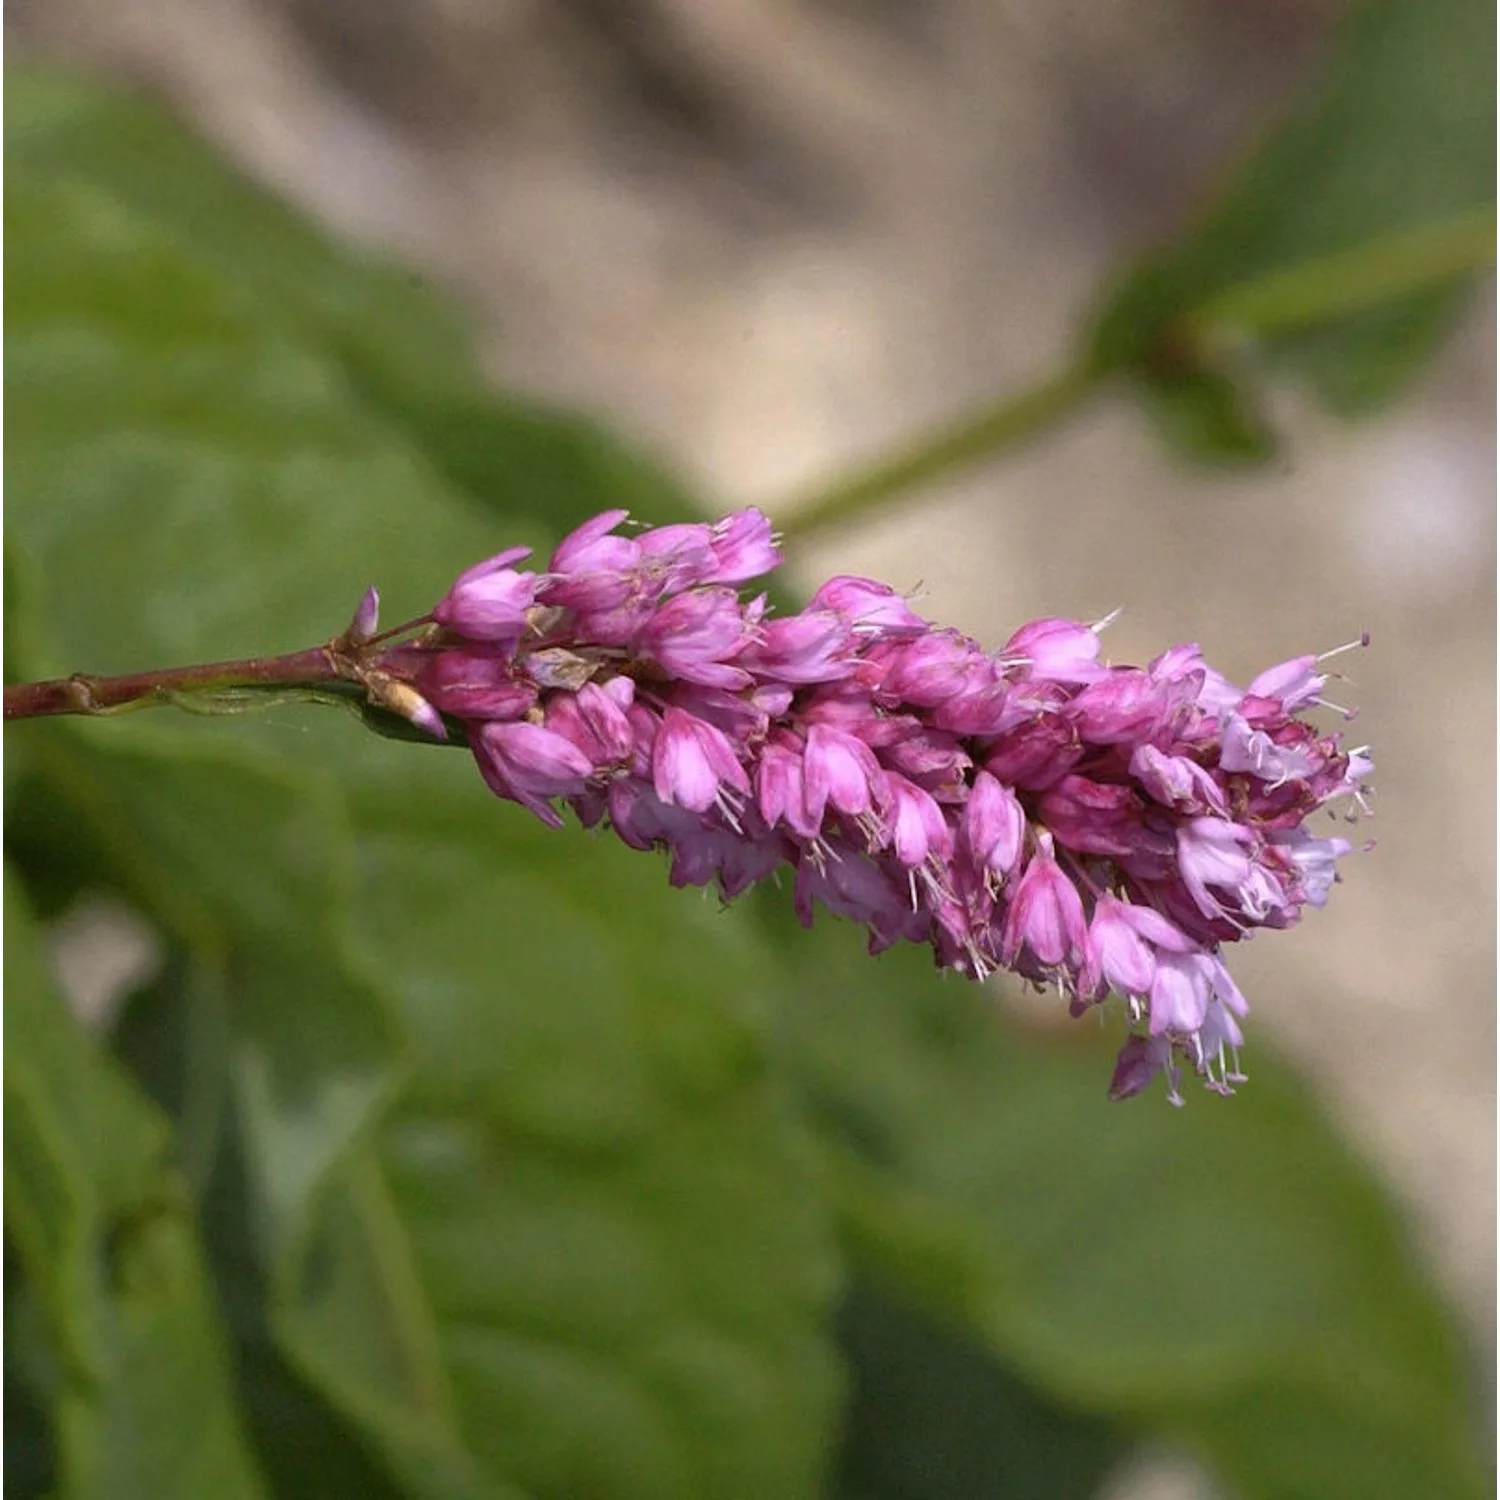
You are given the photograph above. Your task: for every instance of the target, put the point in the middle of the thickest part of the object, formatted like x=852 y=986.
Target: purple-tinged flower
x=1177 y=782
x=1211 y=851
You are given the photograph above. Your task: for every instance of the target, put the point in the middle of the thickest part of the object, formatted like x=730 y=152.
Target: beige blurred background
x=768 y=239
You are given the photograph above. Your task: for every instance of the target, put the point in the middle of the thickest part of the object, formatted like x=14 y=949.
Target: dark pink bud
x=938 y=666
x=1035 y=755
x=528 y=763
x=1092 y=817
x=930 y=758
x=643 y=820
x=1127 y=706
x=474 y=684
x=988 y=712
x=1140 y=1060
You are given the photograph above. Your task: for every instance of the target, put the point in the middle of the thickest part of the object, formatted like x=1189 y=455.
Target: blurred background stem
x=1372 y=274
x=975 y=438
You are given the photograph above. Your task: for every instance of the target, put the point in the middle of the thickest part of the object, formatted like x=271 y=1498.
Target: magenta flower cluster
x=1091 y=827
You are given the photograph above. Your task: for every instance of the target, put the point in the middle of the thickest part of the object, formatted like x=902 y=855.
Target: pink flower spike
x=1046 y=914
x=1102 y=829
x=692 y=761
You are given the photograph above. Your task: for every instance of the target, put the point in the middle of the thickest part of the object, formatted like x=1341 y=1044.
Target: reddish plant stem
x=83 y=693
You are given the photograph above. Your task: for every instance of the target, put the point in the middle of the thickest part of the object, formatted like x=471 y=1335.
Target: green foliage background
x=450 y=1157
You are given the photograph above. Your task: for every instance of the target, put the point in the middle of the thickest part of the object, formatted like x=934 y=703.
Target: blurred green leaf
x=1342 y=246
x=609 y=1195
x=403 y=351
x=1225 y=1274
x=933 y=1416
x=142 y=1406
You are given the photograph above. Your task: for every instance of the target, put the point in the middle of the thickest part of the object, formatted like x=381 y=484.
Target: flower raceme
x=1099 y=828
